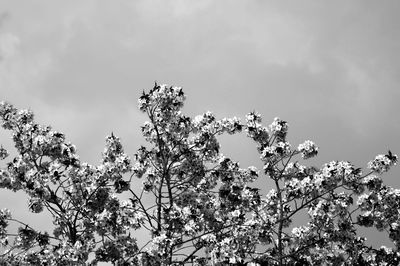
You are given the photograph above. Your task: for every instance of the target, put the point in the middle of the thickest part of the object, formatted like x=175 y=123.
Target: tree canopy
x=204 y=209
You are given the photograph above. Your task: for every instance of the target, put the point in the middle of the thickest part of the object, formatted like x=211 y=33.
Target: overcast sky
x=330 y=68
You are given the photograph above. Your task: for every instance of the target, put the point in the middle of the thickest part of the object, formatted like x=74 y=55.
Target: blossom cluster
x=380 y=209
x=5 y=215
x=256 y=130
x=275 y=152
x=3 y=153
x=382 y=163
x=308 y=149
x=279 y=129
x=168 y=98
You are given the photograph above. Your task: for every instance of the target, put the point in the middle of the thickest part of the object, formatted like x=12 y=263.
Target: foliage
x=205 y=210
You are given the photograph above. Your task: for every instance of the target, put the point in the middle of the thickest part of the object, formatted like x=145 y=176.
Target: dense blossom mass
x=204 y=209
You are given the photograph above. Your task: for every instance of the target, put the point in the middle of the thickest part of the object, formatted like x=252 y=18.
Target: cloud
x=29 y=48
x=8 y=45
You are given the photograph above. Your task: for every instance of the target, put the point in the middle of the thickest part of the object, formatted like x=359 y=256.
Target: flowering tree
x=204 y=209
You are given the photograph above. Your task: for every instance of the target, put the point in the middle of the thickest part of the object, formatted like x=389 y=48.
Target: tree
x=205 y=209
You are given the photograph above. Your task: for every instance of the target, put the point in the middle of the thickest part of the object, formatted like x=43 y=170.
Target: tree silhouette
x=205 y=209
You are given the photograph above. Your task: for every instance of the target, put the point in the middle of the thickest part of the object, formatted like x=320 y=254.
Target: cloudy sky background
x=330 y=68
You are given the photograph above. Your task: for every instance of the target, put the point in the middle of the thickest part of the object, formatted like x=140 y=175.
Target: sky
x=329 y=68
